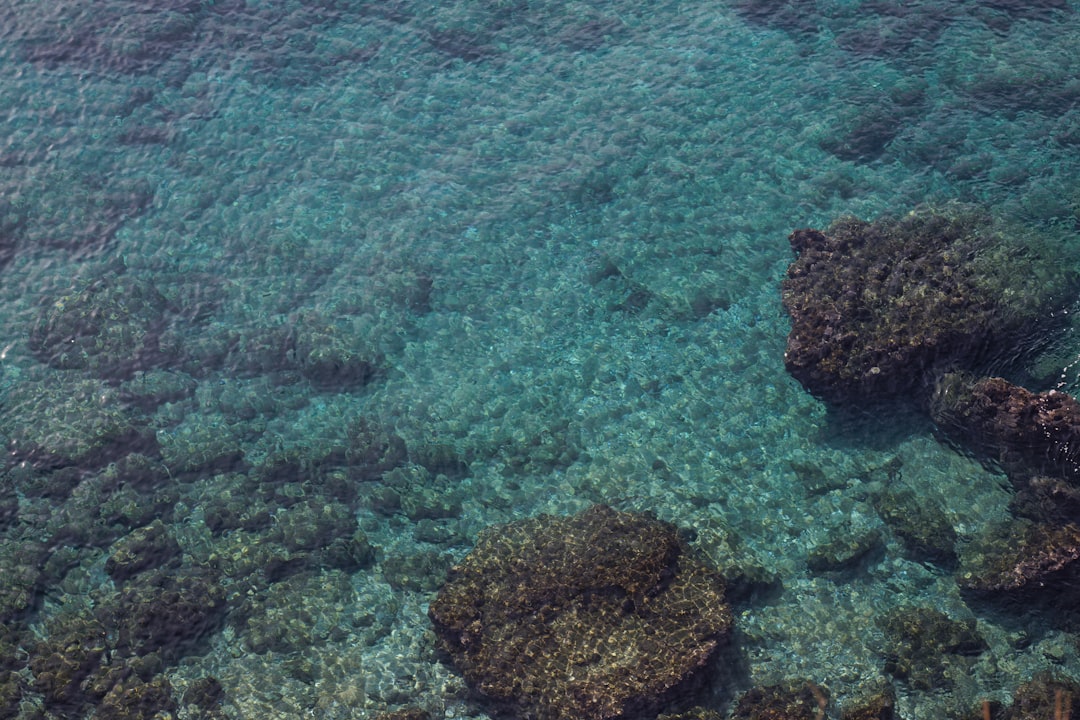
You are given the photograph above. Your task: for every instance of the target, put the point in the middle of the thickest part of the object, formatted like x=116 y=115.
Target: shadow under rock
x=881 y=428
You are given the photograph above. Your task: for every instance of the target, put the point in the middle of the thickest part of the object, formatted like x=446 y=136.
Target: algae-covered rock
x=921 y=525
x=336 y=354
x=9 y=504
x=66 y=658
x=421 y=571
x=928 y=649
x=694 y=713
x=1028 y=433
x=880 y=704
x=143 y=548
x=134 y=699
x=880 y=309
x=110 y=328
x=59 y=419
x=237 y=504
x=10 y=694
x=1022 y=559
x=847 y=548
x=412 y=713
x=296 y=614
x=198 y=445
x=794 y=700
x=137 y=471
x=420 y=495
x=312 y=524
x=372 y=450
x=206 y=693
x=21 y=567
x=591 y=616
x=166 y=612
x=1043 y=697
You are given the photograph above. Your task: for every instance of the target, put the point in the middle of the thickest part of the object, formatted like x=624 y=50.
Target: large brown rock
x=879 y=310
x=586 y=617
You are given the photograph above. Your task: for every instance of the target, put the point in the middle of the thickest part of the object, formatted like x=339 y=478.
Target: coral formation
x=591 y=616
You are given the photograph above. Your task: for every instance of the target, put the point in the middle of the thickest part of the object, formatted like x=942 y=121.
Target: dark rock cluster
x=793 y=700
x=1035 y=438
x=922 y=308
x=596 y=615
x=162 y=600
x=132 y=367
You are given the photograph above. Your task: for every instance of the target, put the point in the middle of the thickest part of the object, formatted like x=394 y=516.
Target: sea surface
x=297 y=297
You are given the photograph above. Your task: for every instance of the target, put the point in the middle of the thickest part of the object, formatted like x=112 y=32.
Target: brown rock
x=586 y=617
x=879 y=309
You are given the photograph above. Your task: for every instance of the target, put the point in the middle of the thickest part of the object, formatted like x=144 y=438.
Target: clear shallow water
x=540 y=243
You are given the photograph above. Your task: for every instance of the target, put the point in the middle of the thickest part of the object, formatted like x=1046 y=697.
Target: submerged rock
x=1035 y=561
x=1028 y=433
x=926 y=648
x=39 y=428
x=147 y=547
x=1045 y=696
x=111 y=328
x=586 y=617
x=879 y=310
x=920 y=523
x=794 y=700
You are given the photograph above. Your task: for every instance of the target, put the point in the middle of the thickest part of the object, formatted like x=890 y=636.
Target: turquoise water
x=530 y=252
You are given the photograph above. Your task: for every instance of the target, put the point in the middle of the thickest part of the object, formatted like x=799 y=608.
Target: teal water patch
x=329 y=289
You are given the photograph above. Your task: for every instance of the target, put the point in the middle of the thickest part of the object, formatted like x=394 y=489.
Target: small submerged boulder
x=586 y=617
x=111 y=328
x=1028 y=433
x=1023 y=560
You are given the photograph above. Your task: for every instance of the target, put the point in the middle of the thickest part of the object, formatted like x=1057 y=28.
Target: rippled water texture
x=296 y=298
